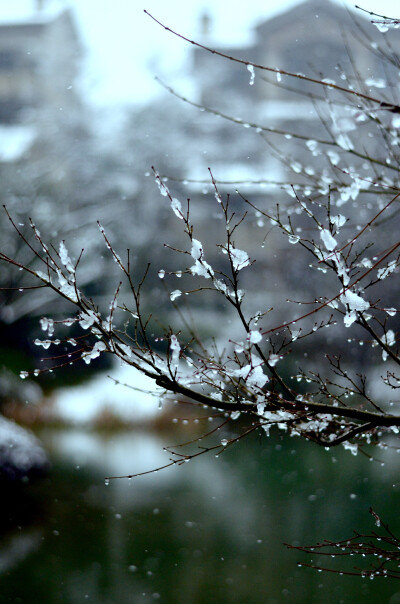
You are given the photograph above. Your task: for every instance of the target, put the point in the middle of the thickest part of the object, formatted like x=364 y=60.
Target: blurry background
x=82 y=121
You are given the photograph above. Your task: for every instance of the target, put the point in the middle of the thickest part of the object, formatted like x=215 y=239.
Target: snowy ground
x=137 y=401
x=20 y=451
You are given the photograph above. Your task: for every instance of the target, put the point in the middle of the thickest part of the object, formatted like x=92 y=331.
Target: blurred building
x=319 y=38
x=258 y=131
x=47 y=159
x=39 y=60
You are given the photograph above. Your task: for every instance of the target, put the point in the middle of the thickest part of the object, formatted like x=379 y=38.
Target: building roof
x=24 y=12
x=302 y=12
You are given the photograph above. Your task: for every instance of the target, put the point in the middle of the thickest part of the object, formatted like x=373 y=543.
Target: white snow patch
x=94 y=353
x=197 y=249
x=338 y=220
x=240 y=259
x=175 y=350
x=65 y=259
x=201 y=267
x=255 y=336
x=253 y=376
x=355 y=303
x=385 y=272
x=252 y=74
x=177 y=208
x=66 y=288
x=329 y=242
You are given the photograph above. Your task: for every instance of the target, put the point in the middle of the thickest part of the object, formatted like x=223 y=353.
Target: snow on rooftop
x=15 y=141
x=85 y=403
x=28 y=11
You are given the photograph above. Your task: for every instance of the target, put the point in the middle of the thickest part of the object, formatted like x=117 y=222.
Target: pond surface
x=209 y=531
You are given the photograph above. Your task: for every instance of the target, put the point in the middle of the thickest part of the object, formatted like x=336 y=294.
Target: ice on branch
x=201 y=267
x=197 y=249
x=163 y=189
x=255 y=336
x=65 y=259
x=354 y=303
x=341 y=268
x=273 y=359
x=239 y=258
x=45 y=343
x=338 y=220
x=352 y=447
x=175 y=294
x=389 y=339
x=221 y=286
x=43 y=276
x=385 y=272
x=127 y=350
x=382 y=26
x=174 y=349
x=95 y=352
x=313 y=146
x=253 y=376
x=334 y=157
x=350 y=192
x=87 y=319
x=66 y=288
x=252 y=74
x=177 y=208
x=47 y=325
x=343 y=140
x=261 y=406
x=329 y=242
x=68 y=322
x=280 y=418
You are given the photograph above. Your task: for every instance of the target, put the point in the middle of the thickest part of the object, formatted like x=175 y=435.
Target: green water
x=210 y=531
